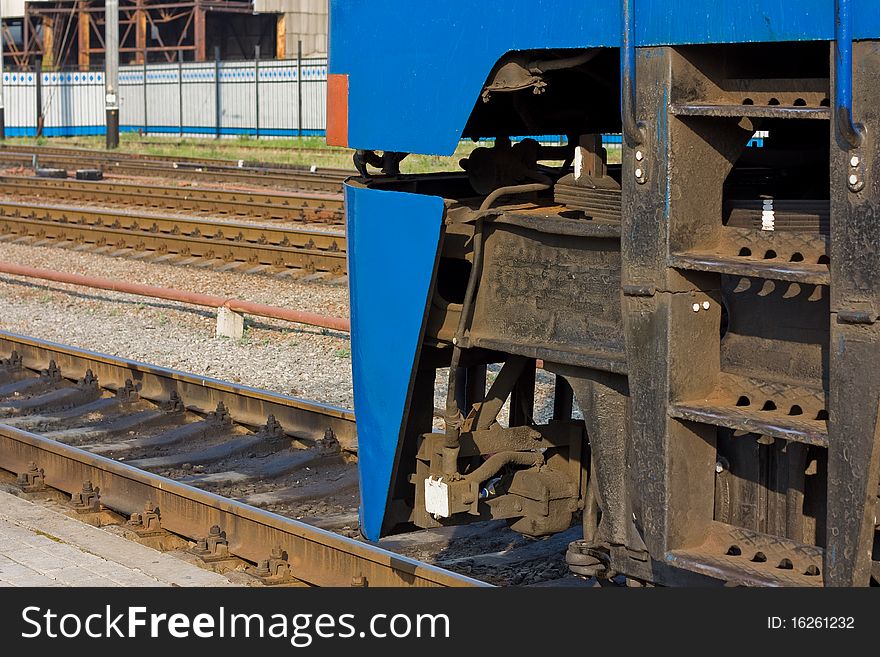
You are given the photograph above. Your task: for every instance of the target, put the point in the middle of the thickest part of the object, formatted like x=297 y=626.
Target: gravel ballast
x=287 y=358
x=278 y=356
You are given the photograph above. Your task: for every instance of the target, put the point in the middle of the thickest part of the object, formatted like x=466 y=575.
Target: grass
x=268 y=151
x=49 y=536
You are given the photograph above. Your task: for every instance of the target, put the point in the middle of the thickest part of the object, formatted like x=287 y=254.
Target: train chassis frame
x=726 y=372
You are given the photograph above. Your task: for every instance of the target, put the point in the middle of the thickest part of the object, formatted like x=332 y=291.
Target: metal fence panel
x=254 y=98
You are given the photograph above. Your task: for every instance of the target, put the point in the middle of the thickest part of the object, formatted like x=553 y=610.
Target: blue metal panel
x=389 y=300
x=436 y=56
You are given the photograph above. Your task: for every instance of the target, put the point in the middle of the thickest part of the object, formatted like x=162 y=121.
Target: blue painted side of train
x=435 y=57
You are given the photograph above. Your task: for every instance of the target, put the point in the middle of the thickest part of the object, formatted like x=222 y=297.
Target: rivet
x=705 y=305
x=641 y=156
x=853 y=179
x=696 y=307
x=854 y=161
x=638 y=173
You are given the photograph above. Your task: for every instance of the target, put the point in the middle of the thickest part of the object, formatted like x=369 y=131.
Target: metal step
x=746 y=558
x=752 y=111
x=794 y=413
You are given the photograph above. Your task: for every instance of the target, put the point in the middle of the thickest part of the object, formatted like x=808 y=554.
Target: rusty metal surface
x=317 y=557
x=209 y=300
x=249 y=406
x=712 y=305
x=747 y=558
x=301 y=207
x=278 y=247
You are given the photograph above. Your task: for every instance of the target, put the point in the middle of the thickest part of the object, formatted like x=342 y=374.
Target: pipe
x=452 y=411
x=494 y=463
x=514 y=189
x=851 y=132
x=183 y=296
x=632 y=129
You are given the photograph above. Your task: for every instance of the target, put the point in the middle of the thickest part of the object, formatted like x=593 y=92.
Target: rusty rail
x=125 y=232
x=183 y=296
x=299 y=417
x=211 y=171
x=316 y=557
x=251 y=204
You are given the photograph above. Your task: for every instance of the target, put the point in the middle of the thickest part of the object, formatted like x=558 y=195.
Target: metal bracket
x=88 y=500
x=11 y=364
x=32 y=480
x=851 y=132
x=214 y=547
x=275 y=570
x=147 y=523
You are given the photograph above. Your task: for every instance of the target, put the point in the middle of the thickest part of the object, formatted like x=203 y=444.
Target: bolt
x=719 y=468
x=705 y=305
x=639 y=173
x=641 y=156
x=854 y=161
x=853 y=179
x=696 y=307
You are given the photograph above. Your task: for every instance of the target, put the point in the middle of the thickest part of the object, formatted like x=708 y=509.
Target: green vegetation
x=299 y=151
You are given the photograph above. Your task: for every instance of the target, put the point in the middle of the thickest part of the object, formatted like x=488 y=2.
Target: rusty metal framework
x=70 y=33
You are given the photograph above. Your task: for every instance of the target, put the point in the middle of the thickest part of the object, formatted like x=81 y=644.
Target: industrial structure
x=64 y=34
x=709 y=307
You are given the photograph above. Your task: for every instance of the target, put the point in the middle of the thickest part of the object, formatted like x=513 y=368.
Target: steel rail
x=317 y=251
x=294 y=179
x=174 y=159
x=249 y=406
x=316 y=208
x=138 y=221
x=185 y=296
x=317 y=557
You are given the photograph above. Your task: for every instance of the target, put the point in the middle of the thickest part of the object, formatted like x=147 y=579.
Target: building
x=70 y=33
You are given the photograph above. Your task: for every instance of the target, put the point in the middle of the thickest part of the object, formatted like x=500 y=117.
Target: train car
x=708 y=309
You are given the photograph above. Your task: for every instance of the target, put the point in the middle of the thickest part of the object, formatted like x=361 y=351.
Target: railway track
x=190 y=457
x=275 y=473
x=192 y=169
x=256 y=248
x=267 y=206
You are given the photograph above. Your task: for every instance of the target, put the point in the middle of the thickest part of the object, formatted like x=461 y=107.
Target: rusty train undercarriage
x=710 y=308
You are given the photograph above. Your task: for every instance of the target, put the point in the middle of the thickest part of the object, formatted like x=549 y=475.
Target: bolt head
x=696 y=307
x=719 y=468
x=640 y=156
x=854 y=161
x=706 y=305
x=639 y=173
x=853 y=179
